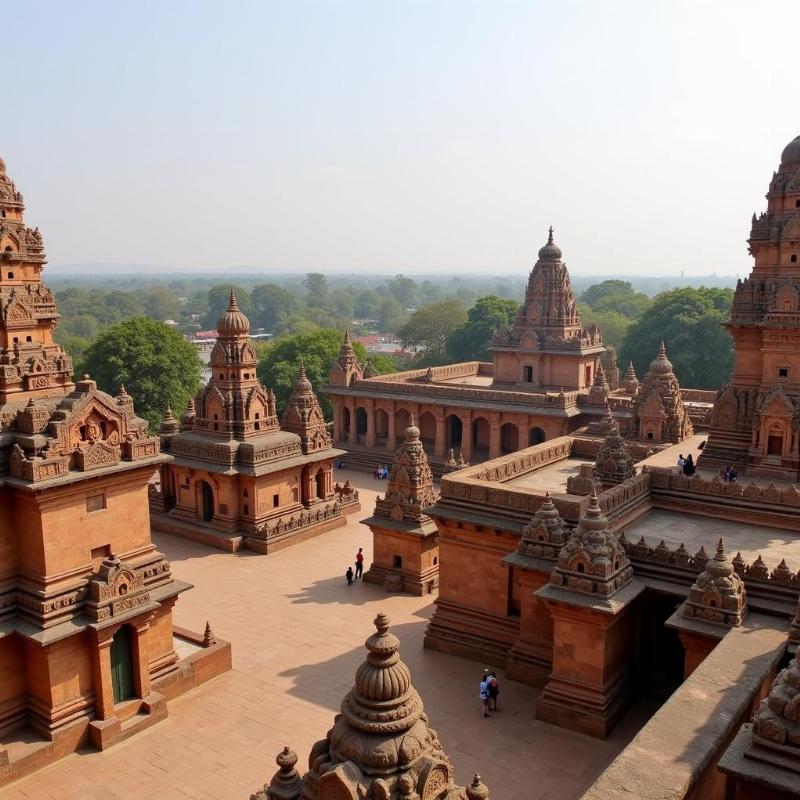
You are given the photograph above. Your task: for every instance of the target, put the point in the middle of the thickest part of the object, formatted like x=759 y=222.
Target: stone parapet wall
x=737 y=501
x=675 y=755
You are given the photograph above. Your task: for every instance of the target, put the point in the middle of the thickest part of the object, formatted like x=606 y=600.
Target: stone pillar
x=591 y=685
x=494 y=436
x=439 y=446
x=391 y=434
x=141 y=659
x=101 y=671
x=352 y=437
x=370 y=440
x=466 y=436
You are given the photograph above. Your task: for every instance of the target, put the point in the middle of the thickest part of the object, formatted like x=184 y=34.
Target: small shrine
x=406 y=540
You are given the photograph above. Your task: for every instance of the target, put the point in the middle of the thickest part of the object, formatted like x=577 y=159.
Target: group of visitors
x=686 y=465
x=339 y=464
x=729 y=474
x=359 y=573
x=489 y=690
x=381 y=471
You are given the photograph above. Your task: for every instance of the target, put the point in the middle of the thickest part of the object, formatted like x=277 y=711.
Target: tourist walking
x=494 y=691
x=359 y=563
x=681 y=462
x=349 y=576
x=484 y=693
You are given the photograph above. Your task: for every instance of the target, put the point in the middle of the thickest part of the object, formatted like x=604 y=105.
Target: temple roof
x=791 y=153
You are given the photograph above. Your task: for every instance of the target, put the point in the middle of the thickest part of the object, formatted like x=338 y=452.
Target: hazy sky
x=398 y=136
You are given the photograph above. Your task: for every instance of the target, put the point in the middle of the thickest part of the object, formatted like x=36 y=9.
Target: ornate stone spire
x=410 y=487
x=614 y=462
x=477 y=789
x=630 y=383
x=381 y=745
x=168 y=428
x=593 y=561
x=369 y=369
x=718 y=593
x=233 y=322
x=346 y=369
x=234 y=404
x=286 y=783
x=543 y=536
x=188 y=416
x=303 y=415
x=609 y=361
x=659 y=414
x=31 y=363
x=598 y=394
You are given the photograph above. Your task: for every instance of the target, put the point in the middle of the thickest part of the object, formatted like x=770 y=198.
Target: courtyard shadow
x=336 y=590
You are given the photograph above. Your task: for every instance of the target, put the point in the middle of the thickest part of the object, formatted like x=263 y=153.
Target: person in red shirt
x=359 y=563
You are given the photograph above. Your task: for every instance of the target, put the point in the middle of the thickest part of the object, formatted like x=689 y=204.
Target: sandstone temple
x=88 y=650
x=572 y=552
x=238 y=477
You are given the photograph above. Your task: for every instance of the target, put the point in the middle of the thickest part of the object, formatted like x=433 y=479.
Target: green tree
x=428 y=328
x=689 y=321
x=156 y=364
x=318 y=293
x=613 y=325
x=616 y=295
x=161 y=304
x=391 y=315
x=403 y=289
x=367 y=304
x=470 y=341
x=277 y=367
x=218 y=297
x=272 y=304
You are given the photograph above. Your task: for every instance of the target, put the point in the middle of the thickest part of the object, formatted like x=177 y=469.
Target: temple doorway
x=321 y=484
x=345 y=435
x=122 y=665
x=361 y=424
x=774 y=445
x=535 y=436
x=509 y=438
x=661 y=653
x=381 y=427
x=455 y=430
x=206 y=502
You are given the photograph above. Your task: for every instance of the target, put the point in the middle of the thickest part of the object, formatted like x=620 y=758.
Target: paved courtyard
x=297 y=632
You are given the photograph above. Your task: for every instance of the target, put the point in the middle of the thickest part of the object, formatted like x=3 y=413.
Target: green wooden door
x=122 y=665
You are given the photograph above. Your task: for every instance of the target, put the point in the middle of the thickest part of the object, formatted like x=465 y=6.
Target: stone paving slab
x=297 y=632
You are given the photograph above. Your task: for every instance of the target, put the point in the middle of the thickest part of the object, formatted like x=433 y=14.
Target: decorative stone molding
x=718 y=595
x=592 y=561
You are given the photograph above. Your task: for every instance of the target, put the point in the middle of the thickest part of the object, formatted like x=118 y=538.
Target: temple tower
x=85 y=597
x=405 y=539
x=548 y=346
x=237 y=479
x=32 y=365
x=591 y=597
x=346 y=369
x=756 y=418
x=381 y=745
x=659 y=414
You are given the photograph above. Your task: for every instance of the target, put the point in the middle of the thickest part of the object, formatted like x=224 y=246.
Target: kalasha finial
x=232 y=304
x=662 y=350
x=382 y=623
x=550 y=235
x=477 y=789
x=208 y=636
x=168 y=412
x=302 y=371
